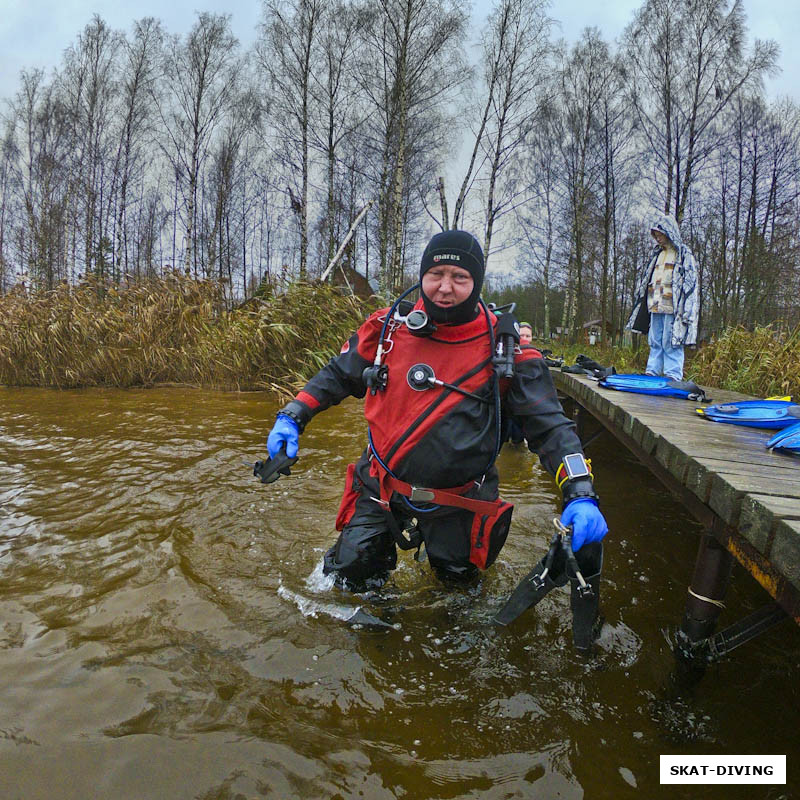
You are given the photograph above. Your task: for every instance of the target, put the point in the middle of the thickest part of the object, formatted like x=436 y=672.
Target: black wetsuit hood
x=459 y=249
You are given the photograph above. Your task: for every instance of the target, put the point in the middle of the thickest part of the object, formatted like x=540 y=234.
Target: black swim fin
x=694 y=392
x=584 y=570
x=603 y=373
x=586 y=618
x=270 y=470
x=543 y=578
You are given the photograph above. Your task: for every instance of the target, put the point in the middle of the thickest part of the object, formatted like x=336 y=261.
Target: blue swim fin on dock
x=771 y=413
x=787 y=440
x=655 y=385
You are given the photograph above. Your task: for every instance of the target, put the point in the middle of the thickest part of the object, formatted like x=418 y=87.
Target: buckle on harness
x=422 y=495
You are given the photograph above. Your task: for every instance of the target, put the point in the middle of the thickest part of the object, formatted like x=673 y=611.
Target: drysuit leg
x=446 y=533
x=365 y=551
x=446 y=537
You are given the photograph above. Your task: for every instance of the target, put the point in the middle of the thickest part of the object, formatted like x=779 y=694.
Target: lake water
x=165 y=631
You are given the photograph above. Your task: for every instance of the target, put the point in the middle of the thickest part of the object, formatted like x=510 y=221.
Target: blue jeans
x=664 y=358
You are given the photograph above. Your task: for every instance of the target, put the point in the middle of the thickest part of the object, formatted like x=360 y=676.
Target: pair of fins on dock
x=772 y=413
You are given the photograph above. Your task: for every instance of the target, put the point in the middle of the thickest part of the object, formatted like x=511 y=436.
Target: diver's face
x=447 y=285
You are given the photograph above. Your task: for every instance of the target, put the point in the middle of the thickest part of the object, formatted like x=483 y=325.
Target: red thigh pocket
x=488 y=534
x=351 y=492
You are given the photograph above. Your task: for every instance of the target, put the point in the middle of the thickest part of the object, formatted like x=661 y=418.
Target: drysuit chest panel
x=432 y=437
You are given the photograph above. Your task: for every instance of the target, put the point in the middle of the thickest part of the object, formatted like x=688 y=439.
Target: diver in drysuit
x=433 y=404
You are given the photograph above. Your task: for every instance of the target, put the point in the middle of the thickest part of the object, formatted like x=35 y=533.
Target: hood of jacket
x=666 y=224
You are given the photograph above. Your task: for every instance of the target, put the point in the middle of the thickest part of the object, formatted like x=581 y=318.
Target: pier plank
x=760 y=515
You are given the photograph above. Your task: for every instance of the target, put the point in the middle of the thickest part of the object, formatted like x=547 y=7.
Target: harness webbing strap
x=444 y=497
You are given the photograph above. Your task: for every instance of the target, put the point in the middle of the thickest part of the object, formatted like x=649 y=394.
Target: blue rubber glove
x=588 y=523
x=284 y=430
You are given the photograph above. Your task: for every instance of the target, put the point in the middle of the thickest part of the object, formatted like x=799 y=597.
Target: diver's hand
x=284 y=430
x=588 y=523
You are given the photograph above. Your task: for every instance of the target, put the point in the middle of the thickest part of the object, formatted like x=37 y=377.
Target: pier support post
x=704 y=603
x=569 y=406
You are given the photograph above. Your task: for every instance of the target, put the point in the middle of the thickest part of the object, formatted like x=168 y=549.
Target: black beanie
x=459 y=249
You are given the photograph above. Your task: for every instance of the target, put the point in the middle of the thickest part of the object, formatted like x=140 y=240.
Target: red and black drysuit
x=435 y=438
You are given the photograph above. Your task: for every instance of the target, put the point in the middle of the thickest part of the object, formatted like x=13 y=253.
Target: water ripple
x=167 y=631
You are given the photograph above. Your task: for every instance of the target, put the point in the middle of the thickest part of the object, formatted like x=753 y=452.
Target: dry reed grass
x=177 y=330
x=763 y=362
x=170 y=330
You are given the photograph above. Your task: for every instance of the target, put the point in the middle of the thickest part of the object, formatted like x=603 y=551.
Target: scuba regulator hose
x=375 y=376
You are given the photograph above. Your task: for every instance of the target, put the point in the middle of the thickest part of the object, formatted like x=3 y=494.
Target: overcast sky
x=34 y=33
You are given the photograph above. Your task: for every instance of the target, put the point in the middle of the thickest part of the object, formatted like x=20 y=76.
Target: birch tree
x=42 y=132
x=538 y=217
x=616 y=131
x=8 y=158
x=412 y=63
x=89 y=81
x=226 y=179
x=584 y=77
x=750 y=218
x=199 y=76
x=515 y=50
x=686 y=62
x=288 y=53
x=339 y=110
x=138 y=74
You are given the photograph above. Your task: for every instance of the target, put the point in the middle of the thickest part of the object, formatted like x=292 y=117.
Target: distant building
x=358 y=283
x=594 y=331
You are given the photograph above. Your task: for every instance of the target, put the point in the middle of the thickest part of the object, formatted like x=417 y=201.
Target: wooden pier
x=746 y=497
